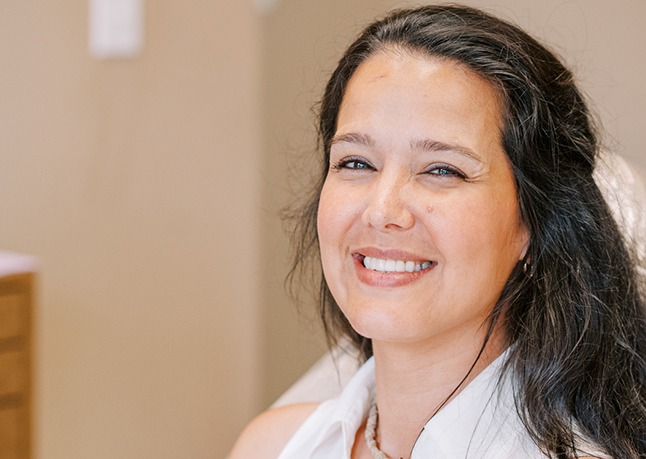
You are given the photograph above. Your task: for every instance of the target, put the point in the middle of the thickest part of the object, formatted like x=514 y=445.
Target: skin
x=417 y=173
x=266 y=436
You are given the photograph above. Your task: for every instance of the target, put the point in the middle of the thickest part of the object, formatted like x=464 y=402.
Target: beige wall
x=149 y=189
x=137 y=184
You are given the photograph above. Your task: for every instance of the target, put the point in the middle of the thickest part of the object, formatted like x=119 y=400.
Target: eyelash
x=450 y=171
x=440 y=170
x=345 y=164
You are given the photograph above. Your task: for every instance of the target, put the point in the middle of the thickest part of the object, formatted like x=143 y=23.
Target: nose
x=388 y=207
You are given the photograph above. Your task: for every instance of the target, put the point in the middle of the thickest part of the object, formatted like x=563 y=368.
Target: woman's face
x=418 y=219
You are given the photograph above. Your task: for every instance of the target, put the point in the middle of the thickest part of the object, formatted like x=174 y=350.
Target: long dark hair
x=576 y=318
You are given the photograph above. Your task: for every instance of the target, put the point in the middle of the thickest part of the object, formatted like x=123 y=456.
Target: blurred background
x=149 y=189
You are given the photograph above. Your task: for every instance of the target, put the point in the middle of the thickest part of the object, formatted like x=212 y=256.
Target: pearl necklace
x=371 y=433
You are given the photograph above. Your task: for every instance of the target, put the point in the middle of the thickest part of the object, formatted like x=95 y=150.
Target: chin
x=380 y=328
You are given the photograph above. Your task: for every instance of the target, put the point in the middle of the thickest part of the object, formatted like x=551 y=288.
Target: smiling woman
x=418 y=176
x=468 y=255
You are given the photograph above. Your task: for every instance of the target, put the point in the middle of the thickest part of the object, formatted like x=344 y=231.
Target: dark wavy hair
x=576 y=320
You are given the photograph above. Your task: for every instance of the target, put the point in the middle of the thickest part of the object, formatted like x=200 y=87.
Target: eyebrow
x=354 y=137
x=421 y=144
x=435 y=145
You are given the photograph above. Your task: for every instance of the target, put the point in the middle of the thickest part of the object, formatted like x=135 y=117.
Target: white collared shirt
x=481 y=422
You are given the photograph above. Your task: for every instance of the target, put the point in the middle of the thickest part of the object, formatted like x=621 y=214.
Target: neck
x=414 y=382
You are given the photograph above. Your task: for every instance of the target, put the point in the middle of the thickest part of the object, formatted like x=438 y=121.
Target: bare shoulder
x=267 y=434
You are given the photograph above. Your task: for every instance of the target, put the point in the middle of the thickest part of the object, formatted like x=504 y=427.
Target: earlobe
x=526 y=259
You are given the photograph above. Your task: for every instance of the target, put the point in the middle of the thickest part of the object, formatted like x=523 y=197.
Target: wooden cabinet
x=16 y=338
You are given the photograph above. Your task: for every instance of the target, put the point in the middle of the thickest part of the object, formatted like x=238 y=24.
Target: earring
x=527 y=268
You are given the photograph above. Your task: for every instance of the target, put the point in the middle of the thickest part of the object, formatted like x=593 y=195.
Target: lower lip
x=380 y=279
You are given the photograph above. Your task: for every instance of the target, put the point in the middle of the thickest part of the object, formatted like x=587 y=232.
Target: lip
x=388 y=280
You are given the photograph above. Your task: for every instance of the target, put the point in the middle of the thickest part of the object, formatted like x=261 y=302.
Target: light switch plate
x=116 y=28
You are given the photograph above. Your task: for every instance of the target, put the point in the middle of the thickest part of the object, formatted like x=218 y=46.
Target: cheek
x=337 y=211
x=325 y=218
x=508 y=233
x=331 y=223
x=332 y=232
x=483 y=233
x=502 y=245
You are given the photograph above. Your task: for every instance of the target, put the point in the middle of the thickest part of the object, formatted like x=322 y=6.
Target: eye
x=353 y=164
x=446 y=171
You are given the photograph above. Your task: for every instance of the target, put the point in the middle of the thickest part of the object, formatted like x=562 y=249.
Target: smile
x=395 y=266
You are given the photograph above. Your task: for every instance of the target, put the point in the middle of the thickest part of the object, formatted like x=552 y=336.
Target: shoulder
x=267 y=434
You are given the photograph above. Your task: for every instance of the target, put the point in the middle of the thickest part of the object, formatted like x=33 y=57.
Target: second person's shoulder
x=266 y=436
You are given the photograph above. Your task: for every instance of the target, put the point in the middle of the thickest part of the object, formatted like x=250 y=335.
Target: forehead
x=409 y=95
x=421 y=72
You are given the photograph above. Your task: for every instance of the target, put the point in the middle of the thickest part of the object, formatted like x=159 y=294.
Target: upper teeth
x=394 y=266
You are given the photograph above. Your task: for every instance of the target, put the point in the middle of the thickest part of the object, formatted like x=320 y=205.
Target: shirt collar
x=351 y=406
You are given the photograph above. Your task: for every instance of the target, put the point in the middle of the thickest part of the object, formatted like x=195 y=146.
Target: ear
x=523 y=242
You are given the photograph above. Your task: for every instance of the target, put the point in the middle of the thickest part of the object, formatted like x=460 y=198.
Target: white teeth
x=394 y=266
x=380 y=265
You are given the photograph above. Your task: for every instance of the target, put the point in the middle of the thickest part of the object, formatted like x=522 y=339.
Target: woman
x=468 y=254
